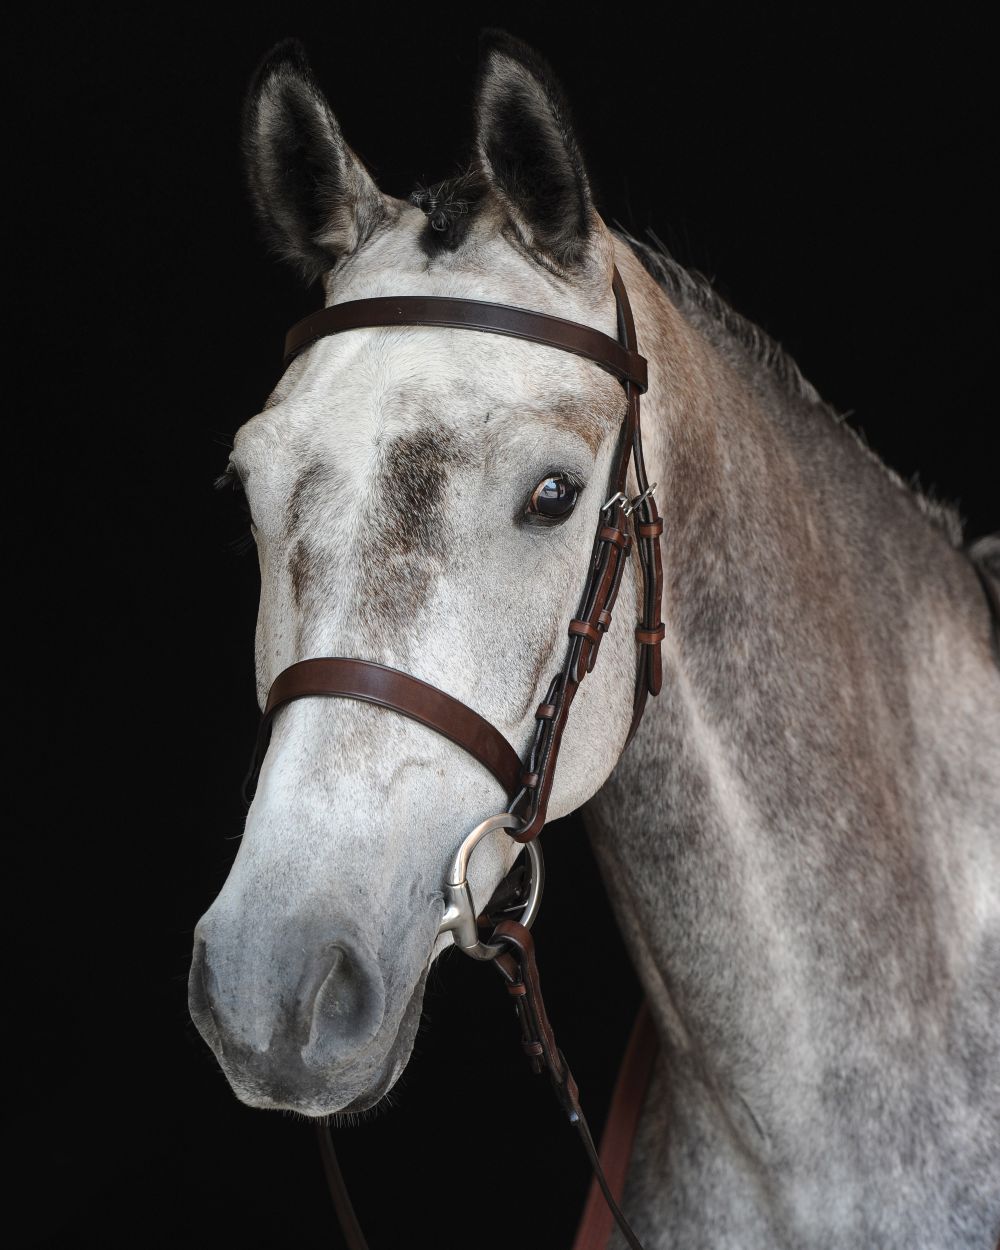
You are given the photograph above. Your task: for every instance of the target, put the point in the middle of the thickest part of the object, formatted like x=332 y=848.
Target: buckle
x=646 y=494
x=460 y=911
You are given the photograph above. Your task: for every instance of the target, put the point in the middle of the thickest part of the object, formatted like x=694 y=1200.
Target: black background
x=829 y=171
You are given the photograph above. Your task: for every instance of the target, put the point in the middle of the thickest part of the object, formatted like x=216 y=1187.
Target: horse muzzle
x=313 y=1021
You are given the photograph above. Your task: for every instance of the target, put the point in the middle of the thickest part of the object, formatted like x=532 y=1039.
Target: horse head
x=424 y=499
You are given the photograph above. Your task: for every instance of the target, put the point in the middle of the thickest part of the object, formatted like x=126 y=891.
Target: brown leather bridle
x=530 y=785
x=527 y=783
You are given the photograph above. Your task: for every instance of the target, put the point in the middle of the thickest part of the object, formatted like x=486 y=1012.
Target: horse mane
x=692 y=293
x=450 y=206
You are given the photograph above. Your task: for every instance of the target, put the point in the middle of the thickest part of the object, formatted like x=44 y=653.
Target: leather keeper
x=530 y=780
x=603 y=618
x=651 y=529
x=546 y=711
x=585 y=630
x=649 y=637
x=620 y=539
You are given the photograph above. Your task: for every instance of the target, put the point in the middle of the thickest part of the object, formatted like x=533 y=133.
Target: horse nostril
x=349 y=1001
x=307 y=1003
x=199 y=999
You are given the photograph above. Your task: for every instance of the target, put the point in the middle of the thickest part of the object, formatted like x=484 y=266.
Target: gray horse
x=802 y=844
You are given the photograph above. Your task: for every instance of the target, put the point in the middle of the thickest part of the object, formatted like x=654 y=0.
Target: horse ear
x=314 y=197
x=529 y=152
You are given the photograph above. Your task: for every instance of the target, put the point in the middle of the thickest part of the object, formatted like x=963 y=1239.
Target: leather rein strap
x=527 y=785
x=520 y=971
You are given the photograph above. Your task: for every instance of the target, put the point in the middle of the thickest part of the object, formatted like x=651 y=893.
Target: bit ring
x=460 y=911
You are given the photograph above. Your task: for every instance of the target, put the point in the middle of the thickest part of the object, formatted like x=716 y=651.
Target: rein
x=622 y=524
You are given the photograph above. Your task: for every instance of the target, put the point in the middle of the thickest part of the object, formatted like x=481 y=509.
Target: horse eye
x=553 y=499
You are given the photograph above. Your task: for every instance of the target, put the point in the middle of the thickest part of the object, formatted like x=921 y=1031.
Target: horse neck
x=798 y=810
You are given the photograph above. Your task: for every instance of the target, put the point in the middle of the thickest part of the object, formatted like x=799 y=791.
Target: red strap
x=620 y=1129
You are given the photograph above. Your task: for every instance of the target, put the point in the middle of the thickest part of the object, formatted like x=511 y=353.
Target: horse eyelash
x=229 y=477
x=242 y=545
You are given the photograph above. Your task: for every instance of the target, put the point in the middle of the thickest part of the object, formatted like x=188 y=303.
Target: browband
x=470 y=314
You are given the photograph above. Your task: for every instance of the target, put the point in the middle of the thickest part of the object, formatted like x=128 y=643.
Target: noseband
x=527 y=782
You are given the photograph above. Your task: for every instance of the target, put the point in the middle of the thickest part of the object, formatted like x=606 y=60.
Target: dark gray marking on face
x=406 y=542
x=306 y=493
x=301 y=570
x=312 y=492
x=413 y=483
